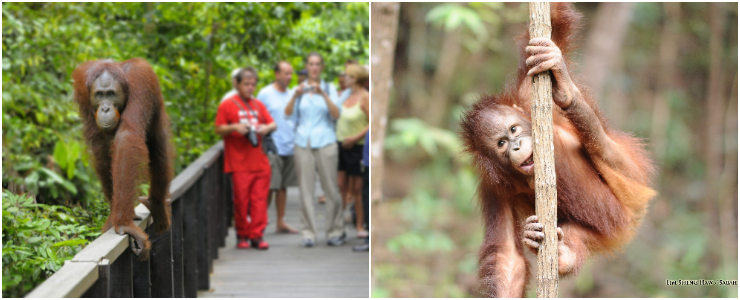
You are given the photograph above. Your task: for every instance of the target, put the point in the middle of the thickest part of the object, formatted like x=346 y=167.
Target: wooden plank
x=104 y=278
x=229 y=201
x=223 y=224
x=208 y=158
x=161 y=265
x=140 y=272
x=190 y=175
x=184 y=181
x=110 y=245
x=288 y=269
x=71 y=281
x=219 y=214
x=101 y=287
x=190 y=238
x=213 y=217
x=121 y=279
x=178 y=278
x=202 y=244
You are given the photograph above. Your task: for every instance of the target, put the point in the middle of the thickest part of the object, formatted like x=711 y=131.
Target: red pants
x=250 y=202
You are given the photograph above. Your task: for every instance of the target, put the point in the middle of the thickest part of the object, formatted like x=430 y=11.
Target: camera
x=251 y=135
x=309 y=89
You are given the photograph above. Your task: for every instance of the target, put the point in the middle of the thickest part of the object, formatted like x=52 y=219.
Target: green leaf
x=453 y=20
x=72 y=242
x=439 y=13
x=58 y=179
x=60 y=154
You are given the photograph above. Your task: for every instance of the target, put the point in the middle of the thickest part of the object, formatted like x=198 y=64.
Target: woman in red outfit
x=242 y=121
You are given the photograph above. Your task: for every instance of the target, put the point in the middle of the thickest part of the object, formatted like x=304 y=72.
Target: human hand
x=241 y=128
x=262 y=129
x=299 y=89
x=348 y=143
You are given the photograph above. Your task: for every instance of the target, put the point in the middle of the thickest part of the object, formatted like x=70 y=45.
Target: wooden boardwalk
x=288 y=269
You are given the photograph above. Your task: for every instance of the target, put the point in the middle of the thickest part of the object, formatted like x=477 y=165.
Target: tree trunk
x=418 y=95
x=714 y=122
x=728 y=183
x=603 y=56
x=383 y=44
x=544 y=161
x=438 y=101
x=605 y=43
x=668 y=55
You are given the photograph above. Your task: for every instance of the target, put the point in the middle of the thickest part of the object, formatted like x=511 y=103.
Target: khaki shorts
x=283 y=172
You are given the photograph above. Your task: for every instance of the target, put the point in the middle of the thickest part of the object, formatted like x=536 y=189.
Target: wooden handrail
x=110 y=251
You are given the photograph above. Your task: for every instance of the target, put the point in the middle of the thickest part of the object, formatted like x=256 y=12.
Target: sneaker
x=243 y=243
x=308 y=243
x=336 y=241
x=260 y=244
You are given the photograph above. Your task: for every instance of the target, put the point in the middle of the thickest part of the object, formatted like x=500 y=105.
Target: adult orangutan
x=127 y=126
x=603 y=175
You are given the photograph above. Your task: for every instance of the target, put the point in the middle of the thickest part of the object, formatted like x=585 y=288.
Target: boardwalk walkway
x=289 y=270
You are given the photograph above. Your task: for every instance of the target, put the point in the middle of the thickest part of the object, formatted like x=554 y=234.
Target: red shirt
x=239 y=155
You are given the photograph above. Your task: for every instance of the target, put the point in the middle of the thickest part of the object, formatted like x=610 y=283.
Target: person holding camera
x=313 y=104
x=243 y=121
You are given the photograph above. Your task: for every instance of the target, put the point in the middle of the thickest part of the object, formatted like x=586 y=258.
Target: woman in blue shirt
x=315 y=105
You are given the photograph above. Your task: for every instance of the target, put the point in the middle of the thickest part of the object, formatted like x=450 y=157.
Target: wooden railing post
x=101 y=287
x=121 y=280
x=178 y=277
x=180 y=259
x=190 y=240
x=222 y=220
x=213 y=216
x=161 y=263
x=202 y=242
x=140 y=271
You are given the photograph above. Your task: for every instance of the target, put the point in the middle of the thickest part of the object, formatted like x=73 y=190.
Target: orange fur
x=602 y=193
x=141 y=142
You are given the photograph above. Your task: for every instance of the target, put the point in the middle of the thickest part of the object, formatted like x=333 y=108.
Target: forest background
x=52 y=201
x=666 y=72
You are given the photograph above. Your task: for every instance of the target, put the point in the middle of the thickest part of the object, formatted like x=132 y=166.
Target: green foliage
x=436 y=214
x=192 y=47
x=38 y=238
x=484 y=20
x=686 y=234
x=410 y=132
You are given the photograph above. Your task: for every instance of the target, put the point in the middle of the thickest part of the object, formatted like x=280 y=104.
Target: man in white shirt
x=275 y=97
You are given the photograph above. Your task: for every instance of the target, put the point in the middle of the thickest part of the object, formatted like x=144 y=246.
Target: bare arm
x=224 y=130
x=361 y=134
x=291 y=103
x=351 y=141
x=265 y=129
x=365 y=105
